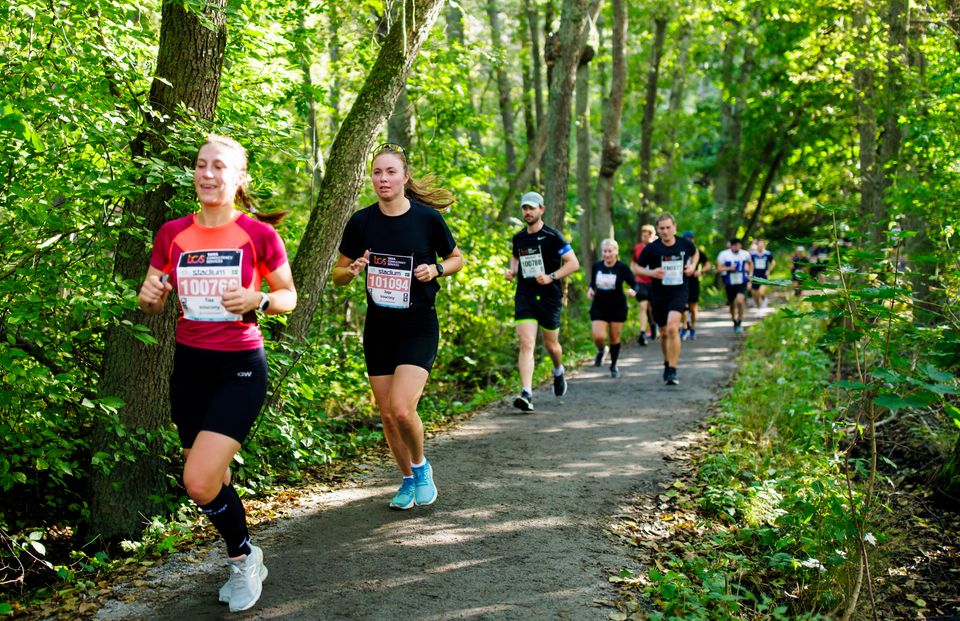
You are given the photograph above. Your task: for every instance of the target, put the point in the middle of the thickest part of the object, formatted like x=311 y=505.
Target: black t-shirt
x=420 y=233
x=607 y=282
x=673 y=258
x=539 y=253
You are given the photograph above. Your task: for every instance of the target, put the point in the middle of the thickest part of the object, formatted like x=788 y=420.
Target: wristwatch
x=554 y=276
x=439 y=269
x=264 y=302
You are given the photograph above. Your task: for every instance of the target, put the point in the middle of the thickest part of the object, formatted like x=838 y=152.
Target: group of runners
x=217 y=258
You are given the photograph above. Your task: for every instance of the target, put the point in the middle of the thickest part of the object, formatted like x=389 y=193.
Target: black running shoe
x=524 y=402
x=642 y=339
x=599 y=359
x=559 y=385
x=614 y=371
x=670 y=376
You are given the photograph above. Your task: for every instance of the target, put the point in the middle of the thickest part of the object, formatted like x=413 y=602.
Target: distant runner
x=541 y=257
x=647 y=235
x=735 y=265
x=763 y=265
x=609 y=309
x=670 y=261
x=799 y=263
x=689 y=320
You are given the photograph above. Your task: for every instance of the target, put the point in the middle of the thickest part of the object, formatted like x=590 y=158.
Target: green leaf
x=38 y=547
x=895 y=403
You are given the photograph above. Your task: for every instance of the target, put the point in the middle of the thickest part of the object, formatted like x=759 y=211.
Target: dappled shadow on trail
x=517 y=530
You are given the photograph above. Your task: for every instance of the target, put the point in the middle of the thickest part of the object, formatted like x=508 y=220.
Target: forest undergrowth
x=761 y=521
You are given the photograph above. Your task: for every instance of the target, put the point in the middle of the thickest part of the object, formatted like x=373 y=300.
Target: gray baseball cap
x=531 y=198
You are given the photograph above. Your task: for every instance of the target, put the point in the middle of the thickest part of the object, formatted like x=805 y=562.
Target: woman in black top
x=398 y=241
x=609 y=309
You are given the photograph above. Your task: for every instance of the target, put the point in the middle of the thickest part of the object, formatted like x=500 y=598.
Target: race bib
x=606 y=282
x=672 y=272
x=736 y=278
x=388 y=280
x=531 y=262
x=760 y=263
x=202 y=278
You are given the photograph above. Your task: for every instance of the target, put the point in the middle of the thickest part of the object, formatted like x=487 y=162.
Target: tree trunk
x=865 y=94
x=646 y=124
x=505 y=100
x=536 y=61
x=400 y=127
x=610 y=155
x=584 y=185
x=524 y=178
x=189 y=62
x=666 y=180
x=349 y=155
x=574 y=18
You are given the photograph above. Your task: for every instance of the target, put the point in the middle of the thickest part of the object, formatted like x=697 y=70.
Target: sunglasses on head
x=388 y=147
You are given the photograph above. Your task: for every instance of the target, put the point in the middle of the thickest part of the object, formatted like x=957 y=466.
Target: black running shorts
x=392 y=337
x=613 y=313
x=543 y=309
x=693 y=293
x=734 y=290
x=643 y=291
x=219 y=391
x=665 y=300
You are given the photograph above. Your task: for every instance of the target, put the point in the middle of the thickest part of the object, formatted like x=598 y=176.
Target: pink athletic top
x=249 y=250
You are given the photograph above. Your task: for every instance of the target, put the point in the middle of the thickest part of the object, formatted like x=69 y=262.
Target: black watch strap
x=439 y=269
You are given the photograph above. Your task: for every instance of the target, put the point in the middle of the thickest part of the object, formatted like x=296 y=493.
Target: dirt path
x=517 y=532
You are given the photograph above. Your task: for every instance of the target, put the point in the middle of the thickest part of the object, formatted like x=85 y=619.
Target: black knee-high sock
x=614 y=353
x=228 y=517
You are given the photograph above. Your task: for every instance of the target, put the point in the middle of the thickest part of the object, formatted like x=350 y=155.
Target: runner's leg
x=527 y=333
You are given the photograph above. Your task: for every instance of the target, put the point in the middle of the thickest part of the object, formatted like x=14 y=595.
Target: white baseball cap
x=532 y=198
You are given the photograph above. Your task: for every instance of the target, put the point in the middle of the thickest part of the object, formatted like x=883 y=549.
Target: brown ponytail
x=243 y=198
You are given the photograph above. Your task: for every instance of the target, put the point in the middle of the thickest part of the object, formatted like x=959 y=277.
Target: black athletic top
x=674 y=257
x=397 y=245
x=539 y=253
x=607 y=283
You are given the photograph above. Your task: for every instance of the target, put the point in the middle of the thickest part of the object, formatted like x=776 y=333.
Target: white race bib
x=531 y=262
x=672 y=272
x=202 y=278
x=606 y=282
x=389 y=278
x=736 y=278
x=760 y=263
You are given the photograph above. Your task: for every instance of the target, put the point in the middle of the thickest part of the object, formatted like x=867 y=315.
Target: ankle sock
x=229 y=518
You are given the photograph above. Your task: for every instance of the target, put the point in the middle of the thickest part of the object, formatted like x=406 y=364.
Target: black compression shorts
x=219 y=391
x=666 y=300
x=542 y=309
x=393 y=337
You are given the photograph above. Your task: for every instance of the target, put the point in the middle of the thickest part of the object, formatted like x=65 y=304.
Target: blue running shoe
x=693 y=335
x=425 y=491
x=684 y=334
x=406 y=495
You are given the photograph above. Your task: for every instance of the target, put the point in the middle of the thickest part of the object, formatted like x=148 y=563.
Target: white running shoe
x=246 y=580
x=227 y=587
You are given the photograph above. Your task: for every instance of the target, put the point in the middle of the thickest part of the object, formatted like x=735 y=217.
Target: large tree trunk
x=574 y=19
x=189 y=62
x=505 y=99
x=349 y=155
x=584 y=184
x=646 y=124
x=611 y=156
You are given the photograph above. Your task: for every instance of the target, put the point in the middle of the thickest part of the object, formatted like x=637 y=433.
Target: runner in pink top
x=216 y=261
x=244 y=250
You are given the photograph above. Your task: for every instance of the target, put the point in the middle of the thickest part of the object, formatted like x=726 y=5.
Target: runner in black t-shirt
x=398 y=241
x=609 y=309
x=670 y=261
x=541 y=257
x=647 y=235
x=688 y=331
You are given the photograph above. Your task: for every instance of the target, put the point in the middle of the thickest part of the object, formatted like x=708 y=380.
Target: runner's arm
x=153 y=292
x=568 y=264
x=346 y=269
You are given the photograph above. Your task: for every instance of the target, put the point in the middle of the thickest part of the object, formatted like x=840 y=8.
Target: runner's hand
x=357 y=266
x=425 y=272
x=590 y=292
x=240 y=301
x=509 y=274
x=631 y=293
x=544 y=279
x=154 y=291
x=688 y=270
x=658 y=273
